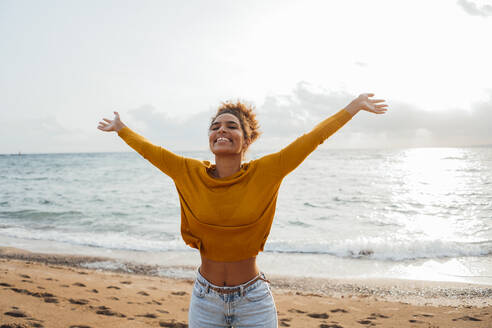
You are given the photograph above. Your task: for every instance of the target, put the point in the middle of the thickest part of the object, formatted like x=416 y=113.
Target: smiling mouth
x=222 y=139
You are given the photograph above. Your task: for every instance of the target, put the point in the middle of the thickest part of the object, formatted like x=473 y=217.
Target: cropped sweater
x=229 y=219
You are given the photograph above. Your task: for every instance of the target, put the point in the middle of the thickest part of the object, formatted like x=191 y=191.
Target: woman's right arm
x=165 y=160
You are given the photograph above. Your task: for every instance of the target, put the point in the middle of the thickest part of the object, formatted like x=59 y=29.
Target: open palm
x=371 y=105
x=111 y=125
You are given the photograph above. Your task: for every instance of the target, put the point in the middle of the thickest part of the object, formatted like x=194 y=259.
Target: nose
x=221 y=128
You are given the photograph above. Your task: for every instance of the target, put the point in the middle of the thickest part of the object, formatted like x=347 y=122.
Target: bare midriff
x=229 y=273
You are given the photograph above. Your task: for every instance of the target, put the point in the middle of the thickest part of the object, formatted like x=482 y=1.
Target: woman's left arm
x=287 y=159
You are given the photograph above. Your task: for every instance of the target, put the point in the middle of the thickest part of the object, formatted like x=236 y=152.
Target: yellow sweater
x=229 y=219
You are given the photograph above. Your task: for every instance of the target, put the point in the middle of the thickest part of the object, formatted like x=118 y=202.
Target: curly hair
x=246 y=116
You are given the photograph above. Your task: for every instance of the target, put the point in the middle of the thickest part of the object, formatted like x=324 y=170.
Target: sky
x=166 y=66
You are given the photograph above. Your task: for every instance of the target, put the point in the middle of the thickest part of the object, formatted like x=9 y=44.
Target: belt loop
x=241 y=292
x=263 y=277
x=208 y=288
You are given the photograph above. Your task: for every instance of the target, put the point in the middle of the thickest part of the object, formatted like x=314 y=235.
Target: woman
x=227 y=208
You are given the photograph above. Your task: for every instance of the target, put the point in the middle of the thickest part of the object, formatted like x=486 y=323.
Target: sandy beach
x=43 y=290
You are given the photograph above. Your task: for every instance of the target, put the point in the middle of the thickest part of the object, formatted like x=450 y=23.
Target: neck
x=227 y=165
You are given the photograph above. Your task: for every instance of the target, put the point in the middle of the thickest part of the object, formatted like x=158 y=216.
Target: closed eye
x=229 y=127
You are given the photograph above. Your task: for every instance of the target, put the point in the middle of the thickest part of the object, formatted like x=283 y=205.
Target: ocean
x=416 y=213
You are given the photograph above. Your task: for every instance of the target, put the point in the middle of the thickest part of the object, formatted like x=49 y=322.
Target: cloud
x=173 y=132
x=472 y=8
x=283 y=118
x=35 y=135
x=404 y=125
x=361 y=64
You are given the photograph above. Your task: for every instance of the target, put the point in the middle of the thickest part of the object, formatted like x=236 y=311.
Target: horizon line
x=252 y=151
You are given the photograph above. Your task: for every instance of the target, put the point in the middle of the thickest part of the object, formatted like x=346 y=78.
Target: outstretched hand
x=111 y=125
x=363 y=102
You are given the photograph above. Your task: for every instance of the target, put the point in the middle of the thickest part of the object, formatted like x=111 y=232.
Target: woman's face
x=225 y=135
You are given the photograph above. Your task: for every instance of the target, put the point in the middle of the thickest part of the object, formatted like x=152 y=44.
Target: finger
x=377 y=100
x=116 y=113
x=383 y=105
x=368 y=94
x=376 y=109
x=109 y=121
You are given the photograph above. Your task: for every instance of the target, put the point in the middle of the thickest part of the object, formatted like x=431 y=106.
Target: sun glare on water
x=435 y=186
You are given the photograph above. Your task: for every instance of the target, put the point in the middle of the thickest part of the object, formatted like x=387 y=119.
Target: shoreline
x=52 y=290
x=415 y=292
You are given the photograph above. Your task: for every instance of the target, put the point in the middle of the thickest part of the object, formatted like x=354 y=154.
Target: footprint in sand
x=126 y=282
x=51 y=300
x=180 y=293
x=21 y=291
x=284 y=322
x=25 y=276
x=79 y=301
x=80 y=326
x=47 y=297
x=333 y=325
x=338 y=310
x=4 y=284
x=296 y=311
x=79 y=284
x=467 y=318
x=113 y=287
x=415 y=321
x=147 y=315
x=377 y=315
x=44 y=294
x=365 y=322
x=16 y=313
x=162 y=311
x=318 y=315
x=173 y=324
x=143 y=293
x=104 y=310
x=426 y=315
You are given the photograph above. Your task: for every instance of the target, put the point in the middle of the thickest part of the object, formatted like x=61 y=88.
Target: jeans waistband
x=229 y=289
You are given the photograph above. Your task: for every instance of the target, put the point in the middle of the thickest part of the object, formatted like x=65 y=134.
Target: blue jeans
x=253 y=307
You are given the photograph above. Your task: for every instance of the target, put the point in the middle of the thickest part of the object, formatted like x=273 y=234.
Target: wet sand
x=42 y=290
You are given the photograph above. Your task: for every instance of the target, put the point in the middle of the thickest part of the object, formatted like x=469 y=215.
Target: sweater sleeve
x=165 y=160
x=287 y=159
